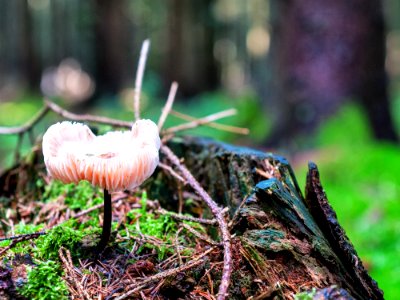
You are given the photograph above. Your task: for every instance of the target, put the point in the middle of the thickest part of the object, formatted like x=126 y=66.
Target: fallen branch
x=219 y=216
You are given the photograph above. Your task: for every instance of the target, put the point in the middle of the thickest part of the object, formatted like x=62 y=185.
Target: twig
x=229 y=128
x=187 y=218
x=199 y=235
x=201 y=121
x=86 y=118
x=217 y=212
x=27 y=126
x=139 y=78
x=19 y=238
x=177 y=245
x=23 y=237
x=172 y=172
x=168 y=105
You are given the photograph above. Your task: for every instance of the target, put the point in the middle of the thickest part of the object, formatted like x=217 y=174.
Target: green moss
x=77 y=196
x=47 y=246
x=162 y=227
x=309 y=295
x=45 y=282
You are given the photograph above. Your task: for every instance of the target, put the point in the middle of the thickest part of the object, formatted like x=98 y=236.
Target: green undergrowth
x=45 y=282
x=309 y=295
x=159 y=226
x=44 y=277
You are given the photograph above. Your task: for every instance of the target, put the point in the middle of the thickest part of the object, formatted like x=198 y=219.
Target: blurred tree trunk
x=190 y=43
x=111 y=42
x=29 y=56
x=324 y=53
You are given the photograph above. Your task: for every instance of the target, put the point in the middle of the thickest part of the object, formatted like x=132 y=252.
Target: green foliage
x=47 y=246
x=45 y=282
x=306 y=295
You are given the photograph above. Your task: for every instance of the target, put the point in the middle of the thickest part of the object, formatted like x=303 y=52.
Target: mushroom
x=115 y=161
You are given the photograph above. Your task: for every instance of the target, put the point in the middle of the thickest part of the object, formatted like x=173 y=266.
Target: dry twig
x=187 y=218
x=139 y=78
x=219 y=215
x=202 y=121
x=228 y=128
x=199 y=235
x=86 y=118
x=168 y=105
x=169 y=170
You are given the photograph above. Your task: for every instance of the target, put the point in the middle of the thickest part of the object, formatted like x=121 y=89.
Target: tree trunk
x=324 y=53
x=291 y=242
x=111 y=42
x=189 y=58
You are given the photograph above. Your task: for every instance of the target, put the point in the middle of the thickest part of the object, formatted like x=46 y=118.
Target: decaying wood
x=291 y=242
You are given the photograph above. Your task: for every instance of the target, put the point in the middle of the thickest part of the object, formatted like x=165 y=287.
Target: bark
x=324 y=53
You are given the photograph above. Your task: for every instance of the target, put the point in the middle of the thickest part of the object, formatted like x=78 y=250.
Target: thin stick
x=139 y=78
x=201 y=121
x=177 y=245
x=223 y=127
x=168 y=169
x=187 y=218
x=168 y=105
x=23 y=237
x=218 y=214
x=86 y=118
x=199 y=235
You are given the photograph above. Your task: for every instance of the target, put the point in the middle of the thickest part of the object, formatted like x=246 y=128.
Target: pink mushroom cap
x=117 y=160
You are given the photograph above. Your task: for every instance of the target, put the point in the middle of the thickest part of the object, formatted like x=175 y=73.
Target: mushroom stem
x=105 y=235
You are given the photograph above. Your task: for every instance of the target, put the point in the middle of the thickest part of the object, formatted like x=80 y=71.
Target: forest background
x=312 y=81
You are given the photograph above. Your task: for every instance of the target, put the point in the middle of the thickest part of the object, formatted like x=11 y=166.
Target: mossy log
x=291 y=242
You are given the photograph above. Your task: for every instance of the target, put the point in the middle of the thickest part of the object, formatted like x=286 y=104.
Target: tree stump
x=290 y=241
